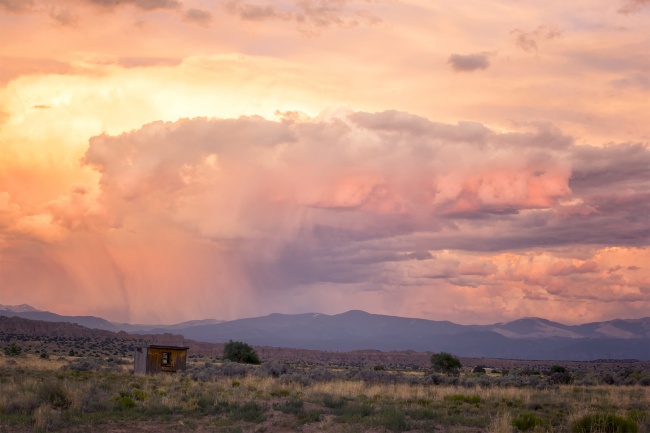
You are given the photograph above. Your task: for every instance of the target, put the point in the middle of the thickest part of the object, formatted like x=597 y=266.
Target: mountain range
x=528 y=338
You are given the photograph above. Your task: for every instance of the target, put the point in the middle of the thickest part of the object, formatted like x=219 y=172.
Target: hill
x=527 y=339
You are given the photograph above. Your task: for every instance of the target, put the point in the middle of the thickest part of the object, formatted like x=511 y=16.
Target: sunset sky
x=474 y=161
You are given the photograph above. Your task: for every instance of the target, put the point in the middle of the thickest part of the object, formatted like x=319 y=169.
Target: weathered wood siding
x=140 y=360
x=149 y=360
x=177 y=360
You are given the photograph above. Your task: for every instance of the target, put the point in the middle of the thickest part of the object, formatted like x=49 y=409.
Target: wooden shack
x=159 y=359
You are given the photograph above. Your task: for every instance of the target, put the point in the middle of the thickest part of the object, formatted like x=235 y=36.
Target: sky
x=476 y=161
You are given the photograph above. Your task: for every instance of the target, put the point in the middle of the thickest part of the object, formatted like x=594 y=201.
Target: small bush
x=460 y=398
x=334 y=403
x=55 y=395
x=13 y=350
x=394 y=419
x=558 y=369
x=309 y=416
x=140 y=395
x=604 y=423
x=251 y=412
x=293 y=407
x=528 y=421
x=124 y=403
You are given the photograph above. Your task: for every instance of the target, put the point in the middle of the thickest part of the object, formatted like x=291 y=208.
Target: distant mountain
x=87 y=321
x=527 y=338
x=22 y=308
x=161 y=329
x=530 y=338
x=535 y=327
x=28 y=312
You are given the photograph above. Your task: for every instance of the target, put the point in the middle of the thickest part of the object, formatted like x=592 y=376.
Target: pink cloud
x=239 y=213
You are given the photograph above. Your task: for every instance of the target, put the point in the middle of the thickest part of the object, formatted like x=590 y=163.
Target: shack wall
x=177 y=360
x=140 y=360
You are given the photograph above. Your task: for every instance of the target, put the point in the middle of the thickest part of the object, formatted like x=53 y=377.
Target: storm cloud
x=372 y=201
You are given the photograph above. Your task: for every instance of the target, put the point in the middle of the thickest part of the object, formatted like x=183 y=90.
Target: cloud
x=240 y=213
x=633 y=6
x=469 y=62
x=198 y=16
x=145 y=62
x=634 y=81
x=147 y=5
x=528 y=41
x=310 y=15
x=16 y=6
x=64 y=17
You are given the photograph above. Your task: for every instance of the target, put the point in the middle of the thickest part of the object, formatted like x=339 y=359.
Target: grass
x=49 y=395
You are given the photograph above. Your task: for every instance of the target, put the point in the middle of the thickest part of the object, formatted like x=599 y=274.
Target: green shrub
x=353 y=413
x=139 y=394
x=444 y=362
x=281 y=392
x=54 y=393
x=13 y=350
x=293 y=407
x=528 y=421
x=124 y=403
x=251 y=412
x=393 y=419
x=558 y=369
x=604 y=423
x=237 y=351
x=308 y=416
x=334 y=403
x=460 y=398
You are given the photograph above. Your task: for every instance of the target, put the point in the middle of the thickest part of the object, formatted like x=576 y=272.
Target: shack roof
x=158 y=346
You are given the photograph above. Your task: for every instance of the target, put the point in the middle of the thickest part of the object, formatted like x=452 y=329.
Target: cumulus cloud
x=469 y=62
x=250 y=210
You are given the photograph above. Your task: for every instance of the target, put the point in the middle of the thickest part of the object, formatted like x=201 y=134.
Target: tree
x=444 y=362
x=240 y=352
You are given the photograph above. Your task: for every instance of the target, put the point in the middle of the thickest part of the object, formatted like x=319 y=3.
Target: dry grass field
x=76 y=394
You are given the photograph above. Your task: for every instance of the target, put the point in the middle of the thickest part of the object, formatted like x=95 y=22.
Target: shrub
x=478 y=369
x=237 y=351
x=460 y=398
x=293 y=407
x=54 y=393
x=334 y=403
x=13 y=350
x=528 y=421
x=563 y=378
x=308 y=416
x=251 y=412
x=394 y=419
x=558 y=369
x=444 y=362
x=124 y=403
x=604 y=423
